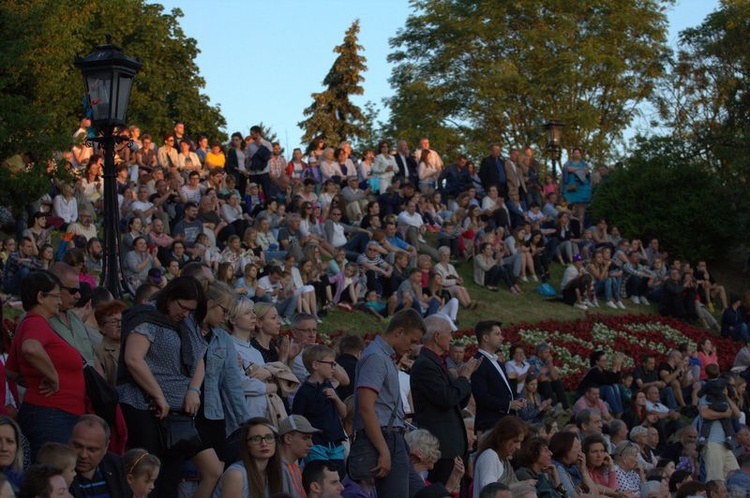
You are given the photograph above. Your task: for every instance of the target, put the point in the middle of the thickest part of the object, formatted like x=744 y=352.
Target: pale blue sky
x=261 y=60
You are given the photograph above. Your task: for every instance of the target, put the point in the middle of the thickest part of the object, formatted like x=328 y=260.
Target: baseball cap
x=296 y=423
x=577 y=257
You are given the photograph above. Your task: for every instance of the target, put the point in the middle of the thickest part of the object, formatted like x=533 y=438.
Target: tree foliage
x=496 y=71
x=332 y=114
x=706 y=96
x=41 y=92
x=663 y=190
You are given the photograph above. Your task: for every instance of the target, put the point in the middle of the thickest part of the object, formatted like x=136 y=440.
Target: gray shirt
x=164 y=360
x=376 y=370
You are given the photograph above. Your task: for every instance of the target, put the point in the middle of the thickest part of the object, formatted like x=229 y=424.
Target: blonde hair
x=58 y=455
x=138 y=462
x=240 y=306
x=319 y=352
x=261 y=309
x=220 y=292
x=423 y=442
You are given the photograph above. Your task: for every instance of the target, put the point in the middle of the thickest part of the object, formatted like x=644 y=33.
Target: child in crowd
x=60 y=456
x=375 y=306
x=142 y=470
x=449 y=236
x=550 y=186
x=317 y=401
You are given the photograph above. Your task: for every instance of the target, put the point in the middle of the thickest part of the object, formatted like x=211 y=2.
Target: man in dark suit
x=407 y=165
x=492 y=171
x=493 y=393
x=438 y=397
x=98 y=472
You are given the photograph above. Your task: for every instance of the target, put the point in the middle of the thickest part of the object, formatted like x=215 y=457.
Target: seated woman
x=571 y=464
x=11 y=458
x=495 y=451
x=452 y=281
x=600 y=466
x=488 y=271
x=448 y=305
x=626 y=468
x=424 y=452
x=534 y=409
x=534 y=461
x=258 y=473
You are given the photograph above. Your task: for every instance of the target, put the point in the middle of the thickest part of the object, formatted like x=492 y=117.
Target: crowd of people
x=224 y=248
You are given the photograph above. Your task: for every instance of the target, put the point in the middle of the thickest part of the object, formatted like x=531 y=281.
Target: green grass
x=504 y=306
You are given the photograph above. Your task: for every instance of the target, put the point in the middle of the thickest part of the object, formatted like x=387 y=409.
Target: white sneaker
x=524 y=279
x=644 y=301
x=588 y=303
x=635 y=300
x=580 y=306
x=534 y=278
x=596 y=303
x=620 y=305
x=611 y=304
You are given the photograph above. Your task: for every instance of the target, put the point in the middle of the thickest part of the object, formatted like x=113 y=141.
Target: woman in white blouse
x=64 y=205
x=384 y=167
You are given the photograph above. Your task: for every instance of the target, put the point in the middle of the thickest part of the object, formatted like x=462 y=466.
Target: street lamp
x=108 y=78
x=554 y=139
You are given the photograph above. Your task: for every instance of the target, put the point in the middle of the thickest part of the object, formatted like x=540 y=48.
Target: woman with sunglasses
x=161 y=376
x=50 y=367
x=258 y=474
x=222 y=407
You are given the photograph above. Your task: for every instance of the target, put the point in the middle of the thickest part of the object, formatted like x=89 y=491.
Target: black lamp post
x=108 y=77
x=554 y=139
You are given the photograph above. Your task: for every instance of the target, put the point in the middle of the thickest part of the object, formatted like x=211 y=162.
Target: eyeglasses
x=116 y=321
x=268 y=439
x=56 y=295
x=335 y=214
x=332 y=364
x=225 y=310
x=71 y=290
x=184 y=308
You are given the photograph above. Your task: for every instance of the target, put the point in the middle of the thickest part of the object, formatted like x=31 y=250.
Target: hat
x=577 y=257
x=252 y=184
x=296 y=423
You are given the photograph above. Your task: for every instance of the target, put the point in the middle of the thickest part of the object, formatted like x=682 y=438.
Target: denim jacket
x=222 y=385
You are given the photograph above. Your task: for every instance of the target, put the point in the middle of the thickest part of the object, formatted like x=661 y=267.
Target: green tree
x=705 y=98
x=665 y=190
x=332 y=114
x=491 y=71
x=41 y=92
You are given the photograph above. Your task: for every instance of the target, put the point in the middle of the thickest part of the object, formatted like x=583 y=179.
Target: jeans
x=667 y=397
x=611 y=394
x=288 y=307
x=607 y=287
x=41 y=424
x=396 y=482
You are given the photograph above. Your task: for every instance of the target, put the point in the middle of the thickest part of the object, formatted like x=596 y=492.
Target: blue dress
x=573 y=189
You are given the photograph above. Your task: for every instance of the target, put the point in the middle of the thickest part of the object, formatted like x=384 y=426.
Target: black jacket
x=438 y=400
x=491 y=394
x=409 y=170
x=112 y=470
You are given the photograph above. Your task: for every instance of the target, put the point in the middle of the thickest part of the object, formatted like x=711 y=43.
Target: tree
x=495 y=71
x=332 y=114
x=41 y=92
x=664 y=190
x=705 y=98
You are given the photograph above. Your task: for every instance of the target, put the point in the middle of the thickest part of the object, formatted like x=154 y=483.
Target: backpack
x=546 y=290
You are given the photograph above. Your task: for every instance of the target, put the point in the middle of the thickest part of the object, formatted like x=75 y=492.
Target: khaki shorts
x=719 y=462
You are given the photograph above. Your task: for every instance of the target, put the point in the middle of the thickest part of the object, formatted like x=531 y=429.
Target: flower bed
x=572 y=342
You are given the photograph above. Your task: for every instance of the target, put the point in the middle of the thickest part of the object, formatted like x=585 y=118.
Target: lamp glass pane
x=99 y=87
x=123 y=96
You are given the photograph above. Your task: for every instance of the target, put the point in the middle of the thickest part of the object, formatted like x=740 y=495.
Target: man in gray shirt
x=378 y=412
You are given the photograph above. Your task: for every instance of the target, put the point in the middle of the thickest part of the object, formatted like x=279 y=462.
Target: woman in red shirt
x=51 y=369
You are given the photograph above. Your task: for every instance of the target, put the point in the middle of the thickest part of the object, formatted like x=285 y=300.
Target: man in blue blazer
x=492 y=390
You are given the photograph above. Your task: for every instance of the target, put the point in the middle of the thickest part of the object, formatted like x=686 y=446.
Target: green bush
x=661 y=191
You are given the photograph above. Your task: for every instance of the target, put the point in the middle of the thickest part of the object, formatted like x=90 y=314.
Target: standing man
x=439 y=398
x=378 y=411
x=492 y=171
x=490 y=386
x=407 y=165
x=98 y=472
x=514 y=175
x=259 y=167
x=433 y=160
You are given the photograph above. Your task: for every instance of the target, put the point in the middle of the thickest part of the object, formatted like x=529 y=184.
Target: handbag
x=180 y=434
x=103 y=397
x=363 y=456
